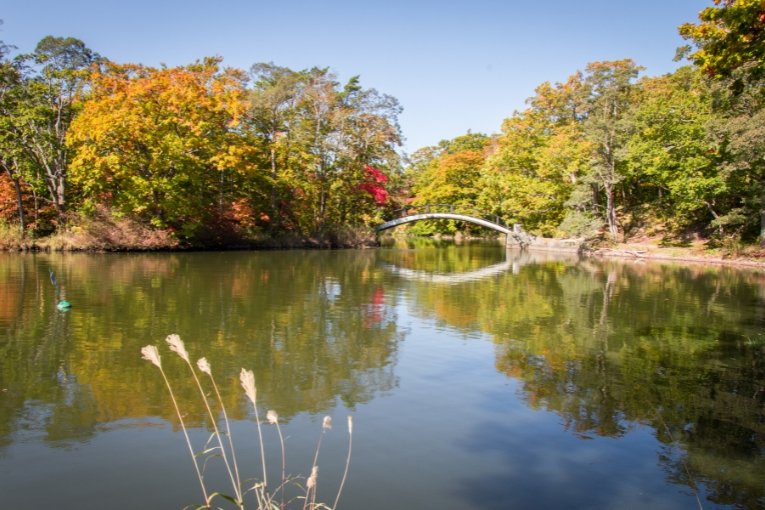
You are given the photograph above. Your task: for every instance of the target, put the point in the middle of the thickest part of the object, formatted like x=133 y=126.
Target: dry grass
x=102 y=231
x=267 y=496
x=11 y=237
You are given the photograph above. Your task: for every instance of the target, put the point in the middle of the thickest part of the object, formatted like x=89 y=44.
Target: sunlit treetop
x=729 y=36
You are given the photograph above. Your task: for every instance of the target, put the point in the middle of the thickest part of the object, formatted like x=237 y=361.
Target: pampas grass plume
x=265 y=499
x=311 y=483
x=150 y=353
x=247 y=378
x=204 y=366
x=176 y=345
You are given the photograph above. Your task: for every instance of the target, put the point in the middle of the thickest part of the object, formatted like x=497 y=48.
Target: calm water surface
x=476 y=378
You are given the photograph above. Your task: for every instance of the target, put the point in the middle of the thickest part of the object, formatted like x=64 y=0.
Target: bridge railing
x=466 y=210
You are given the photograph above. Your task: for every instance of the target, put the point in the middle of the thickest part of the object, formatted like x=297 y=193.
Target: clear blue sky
x=454 y=65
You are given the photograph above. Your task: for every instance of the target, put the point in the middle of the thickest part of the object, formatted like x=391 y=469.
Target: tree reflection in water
x=610 y=345
x=285 y=318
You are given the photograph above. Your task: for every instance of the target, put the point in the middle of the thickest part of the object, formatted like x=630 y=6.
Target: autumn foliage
x=204 y=153
x=213 y=155
x=161 y=144
x=374 y=184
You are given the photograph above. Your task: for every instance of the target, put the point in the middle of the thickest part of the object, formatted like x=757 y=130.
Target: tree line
x=205 y=152
x=212 y=154
x=611 y=153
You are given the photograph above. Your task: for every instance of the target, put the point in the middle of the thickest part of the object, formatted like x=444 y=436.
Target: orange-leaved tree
x=163 y=145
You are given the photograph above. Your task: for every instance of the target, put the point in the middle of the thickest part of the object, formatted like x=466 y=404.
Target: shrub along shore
x=127 y=235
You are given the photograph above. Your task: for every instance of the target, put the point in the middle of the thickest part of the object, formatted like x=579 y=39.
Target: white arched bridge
x=450 y=212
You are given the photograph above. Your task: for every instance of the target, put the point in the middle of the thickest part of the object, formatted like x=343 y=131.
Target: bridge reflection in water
x=515 y=260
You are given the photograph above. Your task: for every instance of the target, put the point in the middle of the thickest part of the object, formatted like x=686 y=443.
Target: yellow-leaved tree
x=163 y=145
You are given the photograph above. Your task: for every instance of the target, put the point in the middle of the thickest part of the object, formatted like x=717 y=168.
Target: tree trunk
x=274 y=221
x=220 y=192
x=613 y=227
x=19 y=204
x=37 y=205
x=54 y=176
x=720 y=230
x=60 y=194
x=762 y=215
x=19 y=198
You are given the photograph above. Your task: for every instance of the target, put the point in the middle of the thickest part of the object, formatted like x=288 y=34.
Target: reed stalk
x=247 y=378
x=204 y=367
x=178 y=347
x=347 y=461
x=310 y=489
x=150 y=353
x=273 y=419
x=326 y=424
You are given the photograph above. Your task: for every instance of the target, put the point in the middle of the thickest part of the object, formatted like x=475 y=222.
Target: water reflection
x=515 y=259
x=610 y=346
x=287 y=318
x=624 y=356
x=449 y=278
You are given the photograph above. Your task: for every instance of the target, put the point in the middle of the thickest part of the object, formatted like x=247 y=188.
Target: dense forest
x=198 y=154
x=124 y=155
x=612 y=153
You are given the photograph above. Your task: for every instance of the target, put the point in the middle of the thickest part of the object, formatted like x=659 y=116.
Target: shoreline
x=680 y=255
x=624 y=251
x=645 y=252
x=693 y=259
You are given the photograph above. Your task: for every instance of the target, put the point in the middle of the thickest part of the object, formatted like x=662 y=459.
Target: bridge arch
x=518 y=236
x=444 y=216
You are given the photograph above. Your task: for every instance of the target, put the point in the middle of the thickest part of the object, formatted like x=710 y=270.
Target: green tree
x=510 y=184
x=539 y=158
x=272 y=114
x=738 y=132
x=367 y=134
x=54 y=78
x=11 y=153
x=320 y=137
x=730 y=47
x=610 y=90
x=671 y=162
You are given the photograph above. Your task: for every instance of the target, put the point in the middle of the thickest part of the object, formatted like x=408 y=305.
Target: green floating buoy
x=63 y=304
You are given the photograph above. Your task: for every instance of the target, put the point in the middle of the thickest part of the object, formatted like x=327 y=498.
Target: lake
x=476 y=378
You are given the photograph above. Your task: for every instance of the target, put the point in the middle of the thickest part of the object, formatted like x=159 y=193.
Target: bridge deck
x=446 y=216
